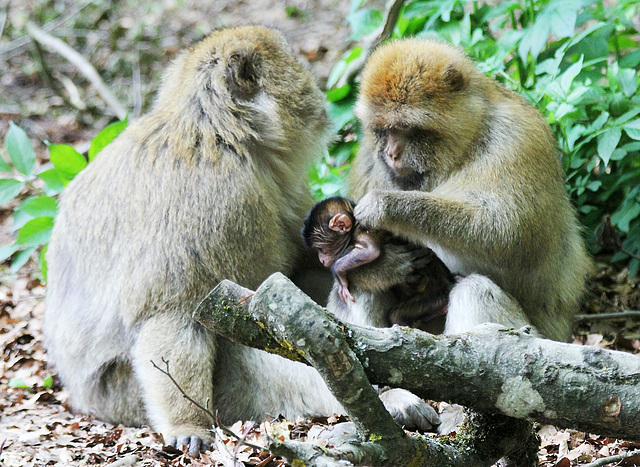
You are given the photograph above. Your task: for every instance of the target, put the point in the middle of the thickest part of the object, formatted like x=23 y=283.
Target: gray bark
x=509 y=377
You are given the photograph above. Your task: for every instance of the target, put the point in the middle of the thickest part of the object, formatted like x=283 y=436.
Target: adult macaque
x=342 y=244
x=205 y=187
x=453 y=161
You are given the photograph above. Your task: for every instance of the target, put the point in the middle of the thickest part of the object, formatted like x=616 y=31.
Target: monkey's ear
x=454 y=78
x=242 y=76
x=341 y=223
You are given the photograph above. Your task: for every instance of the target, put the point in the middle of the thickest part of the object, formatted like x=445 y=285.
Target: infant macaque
x=343 y=245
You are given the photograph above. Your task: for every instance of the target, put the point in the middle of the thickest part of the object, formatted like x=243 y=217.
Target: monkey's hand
x=408 y=410
x=371 y=210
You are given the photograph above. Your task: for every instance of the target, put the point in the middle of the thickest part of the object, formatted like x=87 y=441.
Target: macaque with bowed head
x=204 y=187
x=343 y=245
x=453 y=161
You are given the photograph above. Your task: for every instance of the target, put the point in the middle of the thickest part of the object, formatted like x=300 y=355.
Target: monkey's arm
x=365 y=250
x=399 y=263
x=470 y=222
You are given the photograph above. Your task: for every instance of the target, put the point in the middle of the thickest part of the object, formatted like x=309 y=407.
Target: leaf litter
x=37 y=427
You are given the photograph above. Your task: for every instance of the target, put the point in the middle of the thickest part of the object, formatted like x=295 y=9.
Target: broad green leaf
x=340 y=113
x=38 y=206
x=534 y=39
x=607 y=142
x=35 y=232
x=364 y=22
x=6 y=251
x=43 y=261
x=47 y=382
x=9 y=189
x=66 y=160
x=632 y=129
x=21 y=258
x=628 y=80
x=563 y=15
x=341 y=66
x=54 y=182
x=17 y=383
x=4 y=167
x=628 y=116
x=20 y=149
x=631 y=60
x=627 y=213
x=105 y=136
x=600 y=121
x=337 y=94
x=569 y=75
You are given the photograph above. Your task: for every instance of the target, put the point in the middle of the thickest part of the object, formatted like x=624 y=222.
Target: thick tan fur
x=209 y=185
x=485 y=188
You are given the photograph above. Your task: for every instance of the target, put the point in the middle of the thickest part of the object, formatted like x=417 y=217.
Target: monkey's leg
x=190 y=350
x=475 y=300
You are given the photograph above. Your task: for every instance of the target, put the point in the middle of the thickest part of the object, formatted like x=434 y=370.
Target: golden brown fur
x=453 y=161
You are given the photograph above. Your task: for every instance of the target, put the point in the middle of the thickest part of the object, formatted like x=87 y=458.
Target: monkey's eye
x=380 y=132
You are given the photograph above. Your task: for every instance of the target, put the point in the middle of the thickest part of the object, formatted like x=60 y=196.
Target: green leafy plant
x=575 y=60
x=34 y=215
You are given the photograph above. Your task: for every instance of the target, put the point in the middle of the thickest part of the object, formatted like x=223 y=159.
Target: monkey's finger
x=195 y=446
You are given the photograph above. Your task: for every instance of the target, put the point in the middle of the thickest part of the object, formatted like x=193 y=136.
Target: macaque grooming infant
x=343 y=245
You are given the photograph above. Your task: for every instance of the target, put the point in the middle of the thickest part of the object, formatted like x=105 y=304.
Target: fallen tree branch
x=279 y=318
x=490 y=369
x=566 y=385
x=81 y=63
x=618 y=315
x=612 y=459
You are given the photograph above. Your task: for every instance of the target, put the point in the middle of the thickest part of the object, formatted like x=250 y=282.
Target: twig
x=627 y=314
x=73 y=99
x=214 y=418
x=393 y=12
x=22 y=42
x=373 y=41
x=137 y=87
x=627 y=252
x=3 y=21
x=243 y=440
x=81 y=64
x=612 y=459
x=184 y=394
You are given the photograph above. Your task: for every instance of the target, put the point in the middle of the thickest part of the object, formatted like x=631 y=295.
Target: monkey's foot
x=408 y=410
x=194 y=443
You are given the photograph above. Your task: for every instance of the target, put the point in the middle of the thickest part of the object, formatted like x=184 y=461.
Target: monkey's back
x=141 y=231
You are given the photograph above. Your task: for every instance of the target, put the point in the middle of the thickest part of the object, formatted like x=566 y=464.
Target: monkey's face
x=418 y=109
x=408 y=153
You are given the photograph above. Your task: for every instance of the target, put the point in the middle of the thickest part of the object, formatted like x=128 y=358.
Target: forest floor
x=130 y=43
